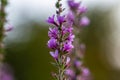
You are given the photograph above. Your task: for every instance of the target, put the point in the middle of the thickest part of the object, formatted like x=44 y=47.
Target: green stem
x=2 y=22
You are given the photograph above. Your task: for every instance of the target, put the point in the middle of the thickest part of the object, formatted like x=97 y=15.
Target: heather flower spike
x=61 y=41
x=75 y=16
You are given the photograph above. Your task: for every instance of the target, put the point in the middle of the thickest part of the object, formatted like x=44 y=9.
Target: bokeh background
x=26 y=49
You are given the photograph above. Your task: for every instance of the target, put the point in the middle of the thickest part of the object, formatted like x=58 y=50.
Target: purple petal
x=52 y=43
x=67 y=47
x=70 y=73
x=61 y=19
x=54 y=54
x=53 y=33
x=51 y=20
x=82 y=9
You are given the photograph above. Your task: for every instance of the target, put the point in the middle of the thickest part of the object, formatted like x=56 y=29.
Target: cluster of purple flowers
x=61 y=36
x=76 y=11
x=61 y=41
x=78 y=71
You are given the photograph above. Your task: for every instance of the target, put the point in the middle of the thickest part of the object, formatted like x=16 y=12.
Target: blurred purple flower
x=84 y=21
x=85 y=72
x=73 y=5
x=82 y=9
x=77 y=63
x=70 y=73
x=70 y=16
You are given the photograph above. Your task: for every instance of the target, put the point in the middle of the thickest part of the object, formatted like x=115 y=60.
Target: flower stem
x=2 y=22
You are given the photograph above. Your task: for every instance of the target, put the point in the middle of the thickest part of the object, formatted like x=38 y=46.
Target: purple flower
x=72 y=4
x=85 y=72
x=70 y=73
x=61 y=19
x=77 y=63
x=67 y=46
x=66 y=30
x=70 y=37
x=84 y=21
x=51 y=20
x=69 y=29
x=82 y=9
x=53 y=32
x=54 y=54
x=52 y=43
x=85 y=75
x=70 y=17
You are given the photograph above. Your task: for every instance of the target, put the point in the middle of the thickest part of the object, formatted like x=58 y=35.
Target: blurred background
x=26 y=50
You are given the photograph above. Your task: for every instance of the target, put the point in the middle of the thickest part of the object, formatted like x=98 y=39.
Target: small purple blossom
x=77 y=63
x=84 y=21
x=70 y=73
x=70 y=37
x=82 y=9
x=53 y=33
x=85 y=75
x=61 y=19
x=66 y=30
x=70 y=17
x=51 y=20
x=72 y=4
x=69 y=29
x=54 y=54
x=52 y=43
x=85 y=72
x=67 y=47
